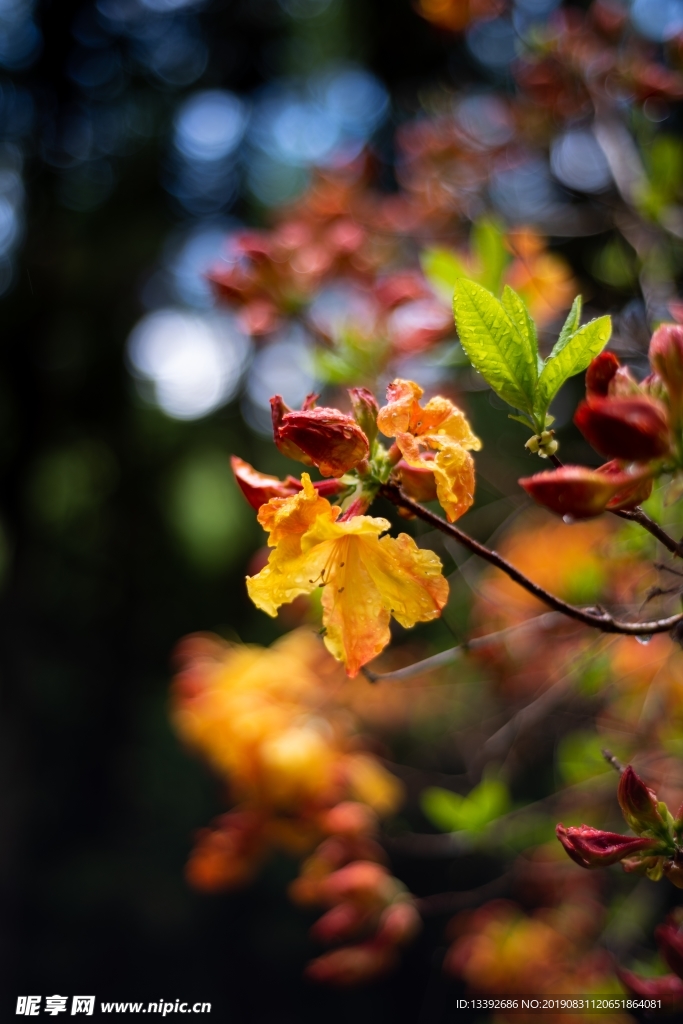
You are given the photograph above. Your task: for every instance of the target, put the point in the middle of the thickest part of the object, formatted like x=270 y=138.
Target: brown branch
x=595 y=617
x=640 y=516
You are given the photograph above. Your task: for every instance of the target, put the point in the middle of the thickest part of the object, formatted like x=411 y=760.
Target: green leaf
x=442 y=808
x=575 y=355
x=525 y=420
x=569 y=328
x=514 y=306
x=442 y=268
x=504 y=356
x=451 y=812
x=489 y=248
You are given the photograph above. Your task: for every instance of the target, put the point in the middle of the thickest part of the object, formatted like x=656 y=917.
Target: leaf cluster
x=500 y=340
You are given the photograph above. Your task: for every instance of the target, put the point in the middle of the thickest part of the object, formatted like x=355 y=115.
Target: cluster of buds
x=264 y=720
x=500 y=949
x=669 y=938
x=269 y=275
x=367 y=907
x=656 y=850
x=638 y=427
x=579 y=54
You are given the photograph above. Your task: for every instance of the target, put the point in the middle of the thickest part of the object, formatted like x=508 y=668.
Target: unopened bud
x=666 y=357
x=328 y=439
x=338 y=923
x=599 y=374
x=669 y=938
x=632 y=429
x=349 y=818
x=543 y=444
x=352 y=965
x=278 y=411
x=365 y=409
x=593 y=848
x=638 y=803
x=579 y=492
x=637 y=485
x=362 y=881
x=258 y=488
x=399 y=923
x=667 y=986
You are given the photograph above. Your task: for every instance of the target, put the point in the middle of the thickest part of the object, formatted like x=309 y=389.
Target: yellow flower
x=366 y=578
x=440 y=426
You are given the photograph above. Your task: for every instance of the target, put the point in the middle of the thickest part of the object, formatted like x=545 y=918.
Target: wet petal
x=402 y=409
x=408 y=578
x=355 y=616
x=292 y=517
x=288 y=575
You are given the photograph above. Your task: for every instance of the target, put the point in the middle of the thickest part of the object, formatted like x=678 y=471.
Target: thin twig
x=451 y=902
x=546 y=621
x=451 y=844
x=596 y=617
x=640 y=516
x=613 y=760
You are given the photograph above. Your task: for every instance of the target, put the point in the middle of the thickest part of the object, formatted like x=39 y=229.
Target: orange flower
x=365 y=578
x=542 y=278
x=439 y=426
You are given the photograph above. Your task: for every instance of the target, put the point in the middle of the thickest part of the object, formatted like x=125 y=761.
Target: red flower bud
x=365 y=409
x=327 y=438
x=633 y=429
x=399 y=924
x=581 y=493
x=666 y=357
x=339 y=923
x=670 y=941
x=278 y=411
x=349 y=818
x=638 y=802
x=363 y=882
x=667 y=987
x=600 y=373
x=635 y=491
x=593 y=848
x=352 y=965
x=258 y=488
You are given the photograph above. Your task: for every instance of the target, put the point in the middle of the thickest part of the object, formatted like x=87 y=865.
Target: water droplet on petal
x=568 y=520
x=644 y=639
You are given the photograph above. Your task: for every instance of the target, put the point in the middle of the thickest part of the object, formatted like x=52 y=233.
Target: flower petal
x=441 y=416
x=292 y=517
x=408 y=578
x=453 y=469
x=355 y=616
x=402 y=410
x=288 y=574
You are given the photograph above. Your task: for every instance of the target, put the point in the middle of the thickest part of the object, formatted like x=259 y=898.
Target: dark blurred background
x=135 y=132
x=135 y=135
